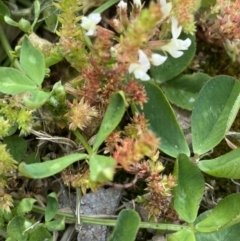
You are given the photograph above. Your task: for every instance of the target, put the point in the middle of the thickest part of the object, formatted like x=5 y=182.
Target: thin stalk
x=8 y=49
x=83 y=141
x=110 y=222
x=163 y=226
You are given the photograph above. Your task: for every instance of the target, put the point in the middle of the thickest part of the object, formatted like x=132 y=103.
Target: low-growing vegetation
x=128 y=105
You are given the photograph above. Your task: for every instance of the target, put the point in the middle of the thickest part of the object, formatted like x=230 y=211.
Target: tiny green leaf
x=127 y=226
x=189 y=181
x=182 y=235
x=32 y=62
x=111 y=119
x=52 y=206
x=25 y=205
x=13 y=82
x=50 y=17
x=102 y=168
x=163 y=122
x=54 y=58
x=58 y=91
x=225 y=214
x=49 y=168
x=37 y=11
x=24 y=25
x=35 y=98
x=226 y=166
x=214 y=112
x=10 y=21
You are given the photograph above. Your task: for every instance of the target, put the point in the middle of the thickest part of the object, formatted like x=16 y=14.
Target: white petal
x=143 y=60
x=140 y=74
x=91 y=31
x=133 y=67
x=176 y=31
x=86 y=23
x=137 y=3
x=175 y=45
x=182 y=44
x=187 y=43
x=176 y=53
x=157 y=59
x=165 y=8
x=169 y=46
x=172 y=49
x=95 y=17
x=89 y=23
x=122 y=5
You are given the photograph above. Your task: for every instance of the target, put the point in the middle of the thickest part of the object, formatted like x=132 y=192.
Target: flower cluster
x=80 y=114
x=7 y=164
x=174 y=47
x=135 y=150
x=79 y=178
x=15 y=116
x=71 y=41
x=134 y=36
x=159 y=201
x=221 y=26
x=184 y=11
x=129 y=151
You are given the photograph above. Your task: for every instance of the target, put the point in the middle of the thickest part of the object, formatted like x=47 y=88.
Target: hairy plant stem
x=8 y=49
x=108 y=222
x=83 y=141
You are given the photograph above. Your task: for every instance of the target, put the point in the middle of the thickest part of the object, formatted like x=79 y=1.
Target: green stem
x=83 y=141
x=8 y=49
x=110 y=222
x=163 y=226
x=105 y=6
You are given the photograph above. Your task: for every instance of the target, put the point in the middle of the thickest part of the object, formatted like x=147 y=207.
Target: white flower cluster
x=174 y=47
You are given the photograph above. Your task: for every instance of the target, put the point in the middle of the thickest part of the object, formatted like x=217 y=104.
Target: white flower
x=140 y=69
x=122 y=5
x=157 y=59
x=89 y=23
x=175 y=44
x=165 y=8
